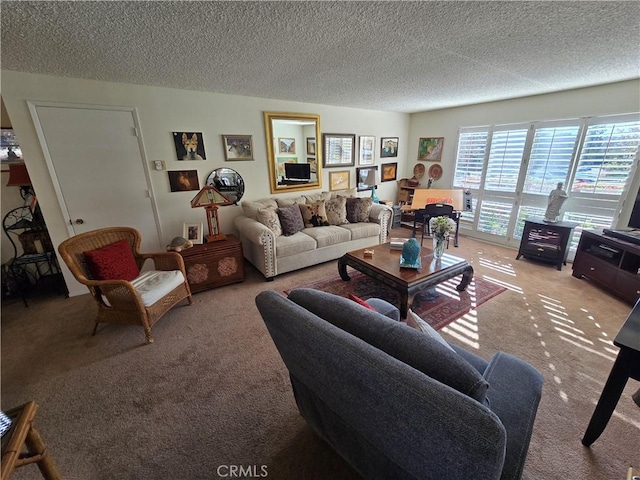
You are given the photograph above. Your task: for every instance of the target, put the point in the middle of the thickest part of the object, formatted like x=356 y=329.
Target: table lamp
x=211 y=199
x=372 y=181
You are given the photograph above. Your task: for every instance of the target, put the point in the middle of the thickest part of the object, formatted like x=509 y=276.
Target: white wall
x=615 y=98
x=162 y=111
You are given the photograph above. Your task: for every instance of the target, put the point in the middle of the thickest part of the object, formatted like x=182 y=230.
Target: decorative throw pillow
x=285 y=202
x=269 y=218
x=112 y=262
x=337 y=211
x=414 y=321
x=316 y=197
x=290 y=219
x=358 y=209
x=314 y=214
x=250 y=209
x=361 y=302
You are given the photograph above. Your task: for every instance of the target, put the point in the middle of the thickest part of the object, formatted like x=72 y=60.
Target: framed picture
x=9 y=147
x=366 y=178
x=193 y=232
x=286 y=145
x=311 y=145
x=430 y=149
x=183 y=180
x=389 y=172
x=339 y=150
x=388 y=147
x=237 y=147
x=189 y=145
x=367 y=155
x=314 y=164
x=339 y=180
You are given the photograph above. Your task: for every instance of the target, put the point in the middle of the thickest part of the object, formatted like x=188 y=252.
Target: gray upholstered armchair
x=396 y=403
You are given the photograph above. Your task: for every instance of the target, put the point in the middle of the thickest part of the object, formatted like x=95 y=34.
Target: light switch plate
x=159 y=165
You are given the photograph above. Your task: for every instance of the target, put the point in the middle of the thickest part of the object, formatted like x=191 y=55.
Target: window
x=606 y=158
x=470 y=159
x=550 y=158
x=512 y=169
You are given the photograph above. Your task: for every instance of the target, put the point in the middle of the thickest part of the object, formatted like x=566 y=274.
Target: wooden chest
x=214 y=264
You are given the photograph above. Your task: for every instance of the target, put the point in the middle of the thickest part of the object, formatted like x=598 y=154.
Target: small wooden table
x=546 y=241
x=627 y=365
x=214 y=264
x=385 y=267
x=23 y=437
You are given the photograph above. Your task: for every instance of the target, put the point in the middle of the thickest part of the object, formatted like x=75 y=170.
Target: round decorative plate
x=435 y=171
x=418 y=171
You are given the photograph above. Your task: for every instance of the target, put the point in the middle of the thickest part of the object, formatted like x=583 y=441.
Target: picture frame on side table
x=338 y=150
x=339 y=180
x=389 y=147
x=430 y=149
x=193 y=232
x=389 y=172
x=237 y=147
x=367 y=150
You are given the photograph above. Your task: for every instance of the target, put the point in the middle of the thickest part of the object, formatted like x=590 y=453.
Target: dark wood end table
x=384 y=266
x=627 y=365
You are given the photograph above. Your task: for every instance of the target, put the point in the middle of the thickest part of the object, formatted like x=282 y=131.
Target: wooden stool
x=23 y=436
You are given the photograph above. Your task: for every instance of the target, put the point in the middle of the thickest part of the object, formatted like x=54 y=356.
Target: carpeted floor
x=213 y=392
x=439 y=305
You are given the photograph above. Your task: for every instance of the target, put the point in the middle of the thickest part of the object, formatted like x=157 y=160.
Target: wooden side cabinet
x=546 y=241
x=214 y=264
x=610 y=262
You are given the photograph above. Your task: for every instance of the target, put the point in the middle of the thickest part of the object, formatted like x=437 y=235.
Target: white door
x=98 y=169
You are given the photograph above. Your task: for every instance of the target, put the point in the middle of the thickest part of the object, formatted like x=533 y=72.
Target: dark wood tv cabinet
x=610 y=262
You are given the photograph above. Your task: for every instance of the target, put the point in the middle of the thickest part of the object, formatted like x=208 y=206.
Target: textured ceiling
x=396 y=56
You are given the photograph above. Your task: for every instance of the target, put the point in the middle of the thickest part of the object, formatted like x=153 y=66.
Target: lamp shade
x=372 y=178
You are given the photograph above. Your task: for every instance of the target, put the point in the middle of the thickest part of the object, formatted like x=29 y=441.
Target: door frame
x=33 y=105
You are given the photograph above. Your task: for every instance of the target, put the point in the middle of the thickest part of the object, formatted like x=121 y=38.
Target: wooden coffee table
x=384 y=266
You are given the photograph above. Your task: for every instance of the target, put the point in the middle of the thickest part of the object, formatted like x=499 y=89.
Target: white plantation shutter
x=606 y=157
x=550 y=158
x=505 y=160
x=470 y=159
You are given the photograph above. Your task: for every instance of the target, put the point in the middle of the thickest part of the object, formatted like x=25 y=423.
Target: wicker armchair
x=118 y=300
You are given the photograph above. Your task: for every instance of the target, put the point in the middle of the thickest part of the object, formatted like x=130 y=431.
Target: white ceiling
x=396 y=56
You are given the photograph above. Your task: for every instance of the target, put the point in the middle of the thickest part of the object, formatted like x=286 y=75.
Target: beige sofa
x=273 y=254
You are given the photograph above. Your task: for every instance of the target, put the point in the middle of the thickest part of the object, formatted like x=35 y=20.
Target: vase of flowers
x=441 y=228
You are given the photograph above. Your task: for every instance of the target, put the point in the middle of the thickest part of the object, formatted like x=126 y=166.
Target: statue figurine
x=556 y=198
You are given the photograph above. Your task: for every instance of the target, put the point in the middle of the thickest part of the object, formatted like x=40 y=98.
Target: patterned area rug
x=439 y=306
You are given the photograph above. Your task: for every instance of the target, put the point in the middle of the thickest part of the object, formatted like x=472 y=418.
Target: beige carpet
x=212 y=390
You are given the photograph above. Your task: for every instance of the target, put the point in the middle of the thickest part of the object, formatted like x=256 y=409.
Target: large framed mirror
x=293 y=151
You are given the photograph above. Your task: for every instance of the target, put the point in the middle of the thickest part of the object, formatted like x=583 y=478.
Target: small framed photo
x=193 y=232
x=339 y=150
x=189 y=145
x=430 y=149
x=367 y=155
x=313 y=161
x=366 y=178
x=286 y=145
x=184 y=180
x=388 y=147
x=237 y=147
x=339 y=180
x=311 y=145
x=389 y=172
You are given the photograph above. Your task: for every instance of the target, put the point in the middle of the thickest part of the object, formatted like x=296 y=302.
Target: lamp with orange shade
x=211 y=199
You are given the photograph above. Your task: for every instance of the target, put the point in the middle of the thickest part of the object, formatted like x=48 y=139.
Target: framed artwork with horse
x=237 y=147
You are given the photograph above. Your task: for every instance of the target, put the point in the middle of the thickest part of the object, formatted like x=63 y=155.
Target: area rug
x=439 y=306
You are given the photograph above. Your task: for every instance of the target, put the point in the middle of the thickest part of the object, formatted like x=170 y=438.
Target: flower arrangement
x=442 y=226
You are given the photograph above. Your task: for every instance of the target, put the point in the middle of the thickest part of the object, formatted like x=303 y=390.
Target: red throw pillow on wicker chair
x=112 y=262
